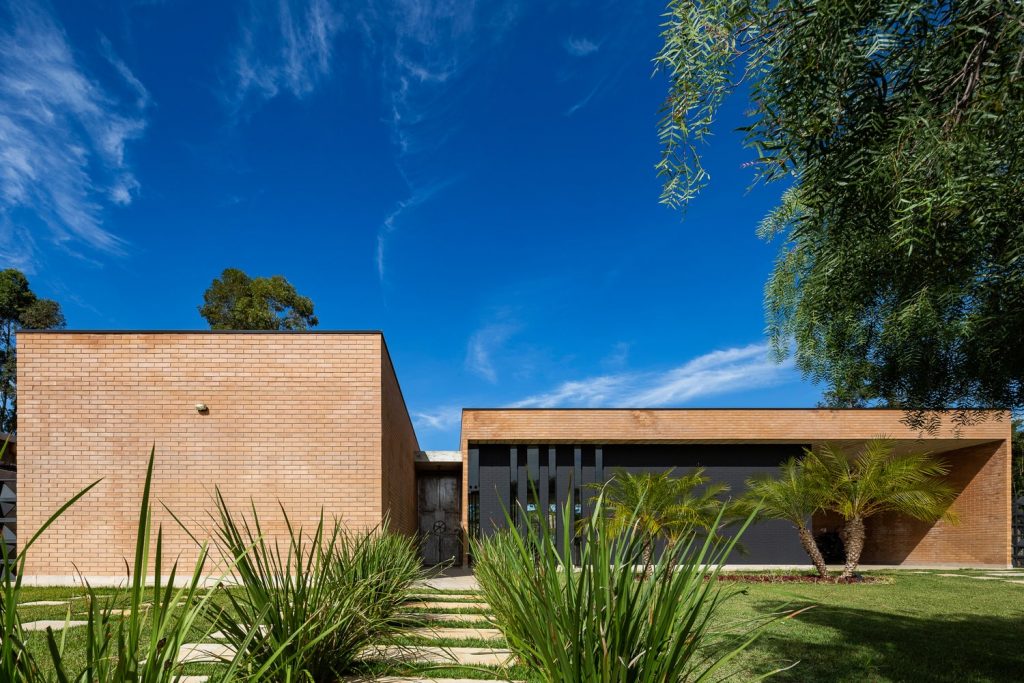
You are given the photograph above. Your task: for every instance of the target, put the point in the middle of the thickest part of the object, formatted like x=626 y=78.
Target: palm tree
x=795 y=495
x=662 y=507
x=877 y=480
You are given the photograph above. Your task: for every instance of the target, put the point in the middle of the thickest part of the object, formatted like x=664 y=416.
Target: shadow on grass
x=851 y=644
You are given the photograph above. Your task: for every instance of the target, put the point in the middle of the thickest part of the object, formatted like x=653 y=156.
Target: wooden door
x=439 y=497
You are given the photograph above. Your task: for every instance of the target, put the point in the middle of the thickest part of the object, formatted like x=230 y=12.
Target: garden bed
x=730 y=577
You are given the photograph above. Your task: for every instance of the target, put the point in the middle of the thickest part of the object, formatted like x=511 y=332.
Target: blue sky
x=475 y=179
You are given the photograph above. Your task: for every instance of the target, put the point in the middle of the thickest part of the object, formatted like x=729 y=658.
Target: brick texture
x=982 y=507
x=398 y=444
x=294 y=419
x=979 y=456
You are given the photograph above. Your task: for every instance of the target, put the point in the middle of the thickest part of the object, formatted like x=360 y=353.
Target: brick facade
x=979 y=456
x=309 y=420
x=398 y=444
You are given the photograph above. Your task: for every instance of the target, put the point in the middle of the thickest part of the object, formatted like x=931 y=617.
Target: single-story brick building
x=310 y=420
x=557 y=453
x=317 y=420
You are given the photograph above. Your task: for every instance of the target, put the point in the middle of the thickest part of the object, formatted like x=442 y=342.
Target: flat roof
x=722 y=425
x=66 y=331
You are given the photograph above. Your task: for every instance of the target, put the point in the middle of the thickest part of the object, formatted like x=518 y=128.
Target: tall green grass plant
x=606 y=619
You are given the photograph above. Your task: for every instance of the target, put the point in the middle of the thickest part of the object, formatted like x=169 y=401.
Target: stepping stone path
x=441 y=654
x=428 y=654
x=204 y=653
x=439 y=632
x=430 y=604
x=43 y=603
x=1004 y=576
x=55 y=624
x=437 y=616
x=392 y=679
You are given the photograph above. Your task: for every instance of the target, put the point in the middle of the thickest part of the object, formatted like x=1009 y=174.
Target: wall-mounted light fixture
x=202 y=408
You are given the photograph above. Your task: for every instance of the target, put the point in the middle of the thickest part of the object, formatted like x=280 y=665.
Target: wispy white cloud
x=439 y=419
x=580 y=47
x=585 y=100
x=482 y=346
x=390 y=223
x=142 y=97
x=717 y=372
x=425 y=50
x=287 y=48
x=62 y=139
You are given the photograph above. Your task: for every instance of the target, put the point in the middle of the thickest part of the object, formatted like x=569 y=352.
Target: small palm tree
x=794 y=496
x=877 y=480
x=662 y=507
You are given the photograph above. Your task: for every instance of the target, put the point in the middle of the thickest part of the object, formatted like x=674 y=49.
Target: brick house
x=317 y=420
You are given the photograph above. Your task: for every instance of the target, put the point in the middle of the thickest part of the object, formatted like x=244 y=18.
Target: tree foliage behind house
x=20 y=308
x=899 y=128
x=235 y=301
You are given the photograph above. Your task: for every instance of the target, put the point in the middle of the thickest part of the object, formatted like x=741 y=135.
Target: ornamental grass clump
x=133 y=635
x=602 y=620
x=307 y=608
x=384 y=564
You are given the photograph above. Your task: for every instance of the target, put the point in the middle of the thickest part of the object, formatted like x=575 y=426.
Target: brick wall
x=294 y=418
x=398 y=446
x=979 y=455
x=978 y=474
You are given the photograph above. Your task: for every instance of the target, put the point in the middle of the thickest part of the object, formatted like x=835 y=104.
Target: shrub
x=308 y=611
x=601 y=621
x=141 y=646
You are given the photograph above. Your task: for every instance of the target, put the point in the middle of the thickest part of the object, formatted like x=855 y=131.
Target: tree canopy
x=235 y=301
x=897 y=127
x=20 y=308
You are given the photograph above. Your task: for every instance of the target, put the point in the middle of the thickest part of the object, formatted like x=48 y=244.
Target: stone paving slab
x=440 y=632
x=204 y=653
x=440 y=604
x=55 y=624
x=447 y=596
x=399 y=679
x=43 y=603
x=122 y=612
x=425 y=654
x=467 y=618
x=192 y=679
x=460 y=581
x=1001 y=574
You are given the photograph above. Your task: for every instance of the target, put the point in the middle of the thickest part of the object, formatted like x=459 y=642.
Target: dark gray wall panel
x=770 y=542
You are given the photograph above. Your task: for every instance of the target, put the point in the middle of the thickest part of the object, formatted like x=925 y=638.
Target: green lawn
x=914 y=627
x=919 y=627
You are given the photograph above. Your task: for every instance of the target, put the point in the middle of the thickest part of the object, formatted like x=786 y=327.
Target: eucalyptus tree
x=897 y=127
